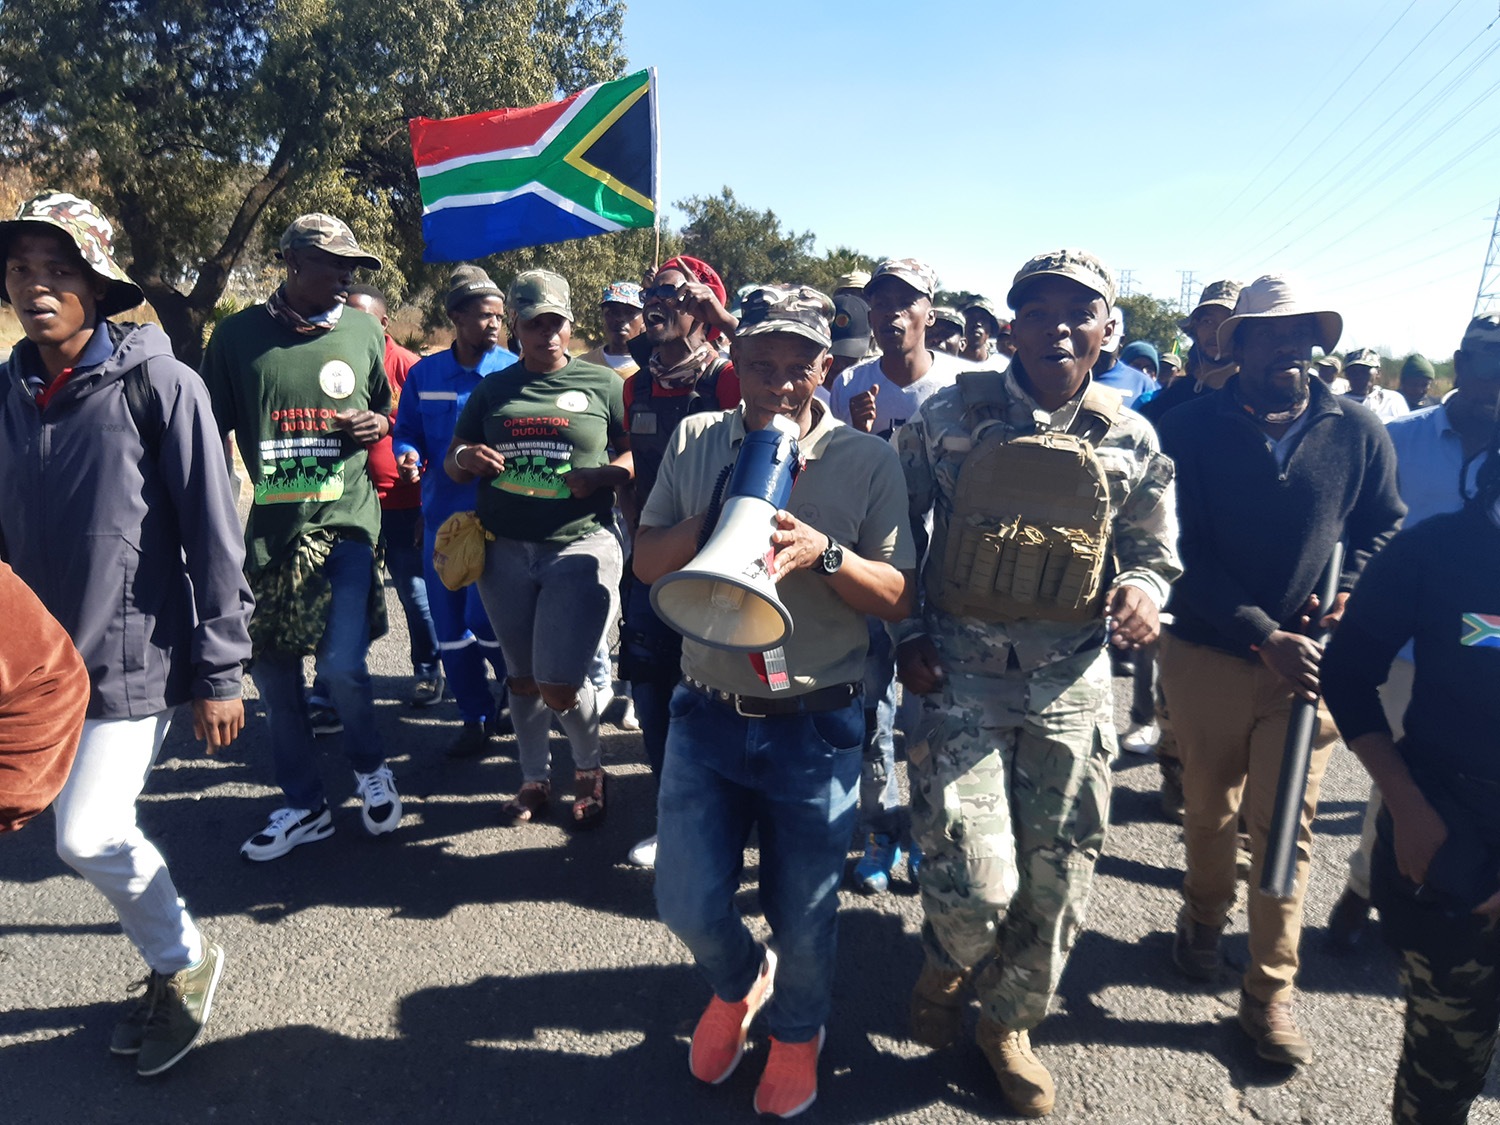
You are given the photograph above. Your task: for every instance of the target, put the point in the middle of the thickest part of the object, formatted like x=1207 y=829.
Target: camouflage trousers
x=1450 y=976
x=1010 y=783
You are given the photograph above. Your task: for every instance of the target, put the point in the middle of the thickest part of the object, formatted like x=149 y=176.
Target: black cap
x=851 y=326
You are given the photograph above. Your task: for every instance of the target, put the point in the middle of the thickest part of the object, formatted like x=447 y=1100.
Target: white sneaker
x=1141 y=738
x=382 y=811
x=628 y=721
x=286 y=829
x=643 y=854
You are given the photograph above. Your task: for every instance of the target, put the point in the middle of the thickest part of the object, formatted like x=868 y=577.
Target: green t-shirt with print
x=278 y=391
x=544 y=426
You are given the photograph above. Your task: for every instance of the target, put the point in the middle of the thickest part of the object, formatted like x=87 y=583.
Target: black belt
x=759 y=707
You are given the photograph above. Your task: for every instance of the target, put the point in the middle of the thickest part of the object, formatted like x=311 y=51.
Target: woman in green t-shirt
x=539 y=434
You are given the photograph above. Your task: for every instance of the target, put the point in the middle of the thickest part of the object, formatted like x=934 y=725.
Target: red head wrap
x=702 y=272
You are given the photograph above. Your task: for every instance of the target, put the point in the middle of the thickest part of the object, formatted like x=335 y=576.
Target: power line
x=1292 y=139
x=1370 y=280
x=1294 y=170
x=1429 y=138
x=1470 y=214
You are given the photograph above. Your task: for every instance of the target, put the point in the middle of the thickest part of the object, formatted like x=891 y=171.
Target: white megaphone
x=726 y=597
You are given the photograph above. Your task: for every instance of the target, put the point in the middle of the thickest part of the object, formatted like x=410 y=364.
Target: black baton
x=1279 y=876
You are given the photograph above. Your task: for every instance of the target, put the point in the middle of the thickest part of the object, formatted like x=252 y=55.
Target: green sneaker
x=131 y=1029
x=180 y=1013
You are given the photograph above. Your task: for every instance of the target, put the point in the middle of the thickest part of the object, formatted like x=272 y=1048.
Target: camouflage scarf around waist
x=292 y=599
x=276 y=305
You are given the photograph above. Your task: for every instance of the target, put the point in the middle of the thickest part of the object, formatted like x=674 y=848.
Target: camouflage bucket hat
x=92 y=236
x=1075 y=265
x=1221 y=293
x=318 y=231
x=540 y=291
x=796 y=309
x=1362 y=357
x=918 y=274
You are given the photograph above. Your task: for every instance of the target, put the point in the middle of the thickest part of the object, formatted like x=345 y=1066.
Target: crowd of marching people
x=994 y=517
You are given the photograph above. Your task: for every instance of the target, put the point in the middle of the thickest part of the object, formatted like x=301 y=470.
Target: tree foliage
x=202 y=126
x=1151 y=319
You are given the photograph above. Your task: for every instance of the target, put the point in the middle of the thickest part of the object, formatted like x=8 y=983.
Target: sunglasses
x=660 y=293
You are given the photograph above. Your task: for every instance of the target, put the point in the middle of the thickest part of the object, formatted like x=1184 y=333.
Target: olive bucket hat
x=90 y=233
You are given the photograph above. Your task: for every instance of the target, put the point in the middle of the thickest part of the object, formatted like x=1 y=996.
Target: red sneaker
x=790 y=1083
x=719 y=1038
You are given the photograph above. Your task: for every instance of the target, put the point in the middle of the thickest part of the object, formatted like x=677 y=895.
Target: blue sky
x=1354 y=145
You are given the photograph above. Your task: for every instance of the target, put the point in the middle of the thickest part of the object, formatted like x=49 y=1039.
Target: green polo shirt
x=544 y=426
x=850 y=488
x=278 y=391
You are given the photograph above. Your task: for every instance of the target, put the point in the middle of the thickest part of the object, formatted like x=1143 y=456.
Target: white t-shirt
x=1386 y=404
x=893 y=404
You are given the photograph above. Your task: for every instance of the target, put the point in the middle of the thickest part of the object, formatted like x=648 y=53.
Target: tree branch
x=214 y=273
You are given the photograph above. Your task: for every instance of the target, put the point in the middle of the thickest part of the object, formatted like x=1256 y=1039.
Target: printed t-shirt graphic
x=537 y=451
x=544 y=426
x=305 y=462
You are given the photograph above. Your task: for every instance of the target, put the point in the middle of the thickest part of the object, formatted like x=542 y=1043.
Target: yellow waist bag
x=458 y=553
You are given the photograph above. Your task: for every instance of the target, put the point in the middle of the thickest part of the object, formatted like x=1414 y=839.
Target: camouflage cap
x=1075 y=265
x=92 y=236
x=949 y=316
x=985 y=306
x=918 y=274
x=799 y=310
x=1221 y=293
x=1483 y=332
x=1362 y=357
x=1172 y=360
x=535 y=292
x=318 y=231
x=622 y=293
x=854 y=279
x=1418 y=365
x=1331 y=363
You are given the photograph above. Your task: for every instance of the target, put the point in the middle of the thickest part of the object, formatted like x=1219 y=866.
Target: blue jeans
x=651 y=659
x=403 y=558
x=465 y=640
x=340 y=662
x=795 y=777
x=879 y=796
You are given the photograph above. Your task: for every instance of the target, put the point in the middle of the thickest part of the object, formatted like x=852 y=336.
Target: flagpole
x=656 y=176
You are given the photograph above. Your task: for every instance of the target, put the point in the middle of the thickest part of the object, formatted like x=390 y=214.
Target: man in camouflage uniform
x=1010 y=763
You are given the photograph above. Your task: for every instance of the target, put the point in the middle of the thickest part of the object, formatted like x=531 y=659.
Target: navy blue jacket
x=140 y=557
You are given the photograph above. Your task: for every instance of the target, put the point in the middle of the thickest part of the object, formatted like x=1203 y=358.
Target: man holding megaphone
x=767 y=726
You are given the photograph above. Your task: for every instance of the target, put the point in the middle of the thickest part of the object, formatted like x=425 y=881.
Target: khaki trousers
x=1231 y=718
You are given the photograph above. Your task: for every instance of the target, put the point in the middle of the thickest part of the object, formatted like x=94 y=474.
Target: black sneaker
x=429 y=691
x=499 y=724
x=183 y=1003
x=324 y=720
x=472 y=742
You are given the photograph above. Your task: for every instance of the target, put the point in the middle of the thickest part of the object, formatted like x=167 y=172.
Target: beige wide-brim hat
x=1275 y=296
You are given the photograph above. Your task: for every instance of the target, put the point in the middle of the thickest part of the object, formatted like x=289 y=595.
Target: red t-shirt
x=395 y=494
x=727 y=391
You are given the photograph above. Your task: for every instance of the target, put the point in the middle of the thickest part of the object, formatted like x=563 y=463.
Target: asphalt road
x=458 y=971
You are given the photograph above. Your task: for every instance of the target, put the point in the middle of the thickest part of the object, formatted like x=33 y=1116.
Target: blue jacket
x=1131 y=382
x=135 y=548
x=436 y=389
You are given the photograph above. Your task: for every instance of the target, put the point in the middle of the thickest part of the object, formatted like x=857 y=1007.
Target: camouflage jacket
x=932 y=447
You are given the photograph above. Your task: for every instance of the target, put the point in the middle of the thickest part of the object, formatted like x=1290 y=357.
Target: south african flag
x=508 y=178
x=1482 y=630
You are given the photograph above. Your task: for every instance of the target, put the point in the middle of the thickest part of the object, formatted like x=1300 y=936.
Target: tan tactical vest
x=1029 y=534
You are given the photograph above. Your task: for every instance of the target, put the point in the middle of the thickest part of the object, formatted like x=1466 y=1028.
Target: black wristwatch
x=832 y=559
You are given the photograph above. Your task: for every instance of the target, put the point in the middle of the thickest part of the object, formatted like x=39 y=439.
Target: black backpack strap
x=707 y=386
x=641 y=392
x=145 y=408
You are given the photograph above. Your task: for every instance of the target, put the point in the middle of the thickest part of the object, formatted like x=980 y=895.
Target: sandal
x=588 y=793
x=527 y=805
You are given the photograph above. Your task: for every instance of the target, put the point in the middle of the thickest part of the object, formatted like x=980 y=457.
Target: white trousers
x=97 y=836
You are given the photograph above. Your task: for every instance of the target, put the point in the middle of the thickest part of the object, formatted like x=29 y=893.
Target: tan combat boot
x=1274 y=1029
x=937 y=1007
x=1023 y=1079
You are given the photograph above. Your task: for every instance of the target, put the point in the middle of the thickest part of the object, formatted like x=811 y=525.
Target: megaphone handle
x=715 y=505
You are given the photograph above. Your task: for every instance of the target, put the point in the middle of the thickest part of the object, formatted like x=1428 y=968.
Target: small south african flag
x=1482 y=630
